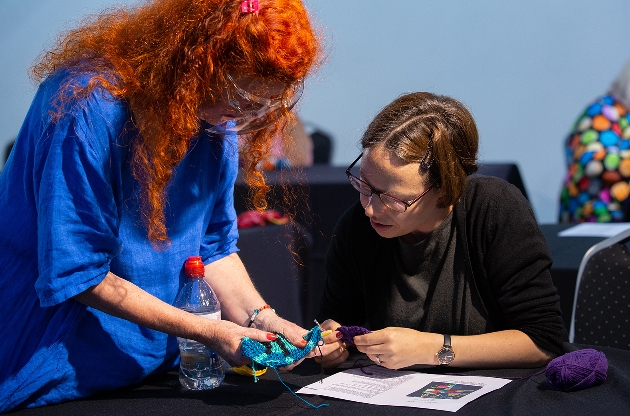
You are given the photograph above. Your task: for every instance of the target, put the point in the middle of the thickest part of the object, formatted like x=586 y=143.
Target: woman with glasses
x=124 y=167
x=444 y=266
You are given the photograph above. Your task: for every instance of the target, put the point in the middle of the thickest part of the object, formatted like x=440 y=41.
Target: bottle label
x=214 y=316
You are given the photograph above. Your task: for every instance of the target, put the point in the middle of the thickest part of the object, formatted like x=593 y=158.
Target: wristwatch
x=446 y=355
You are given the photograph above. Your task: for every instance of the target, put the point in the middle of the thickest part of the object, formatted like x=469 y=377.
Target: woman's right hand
x=224 y=338
x=337 y=351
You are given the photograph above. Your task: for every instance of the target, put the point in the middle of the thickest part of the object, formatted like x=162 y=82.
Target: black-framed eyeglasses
x=389 y=201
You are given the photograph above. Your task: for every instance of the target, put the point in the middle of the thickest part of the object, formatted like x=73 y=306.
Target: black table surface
x=567 y=252
x=240 y=395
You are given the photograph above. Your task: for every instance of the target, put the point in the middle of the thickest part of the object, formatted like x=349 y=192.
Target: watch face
x=445 y=356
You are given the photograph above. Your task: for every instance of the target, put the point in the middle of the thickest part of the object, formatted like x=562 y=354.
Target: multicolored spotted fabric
x=596 y=186
x=280 y=352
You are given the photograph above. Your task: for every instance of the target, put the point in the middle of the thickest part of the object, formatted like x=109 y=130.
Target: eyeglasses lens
x=256 y=112
x=360 y=186
x=392 y=203
x=366 y=190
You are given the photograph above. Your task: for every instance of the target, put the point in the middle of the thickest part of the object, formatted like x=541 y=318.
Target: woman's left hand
x=396 y=347
x=334 y=352
x=267 y=320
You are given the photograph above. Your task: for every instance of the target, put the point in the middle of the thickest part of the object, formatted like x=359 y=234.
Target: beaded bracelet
x=256 y=312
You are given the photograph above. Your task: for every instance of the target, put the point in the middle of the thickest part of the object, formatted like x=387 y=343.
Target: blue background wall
x=525 y=69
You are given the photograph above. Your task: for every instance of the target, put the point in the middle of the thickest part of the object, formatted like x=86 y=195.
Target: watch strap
x=446 y=355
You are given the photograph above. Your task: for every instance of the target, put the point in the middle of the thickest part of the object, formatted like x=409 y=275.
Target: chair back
x=322 y=147
x=601 y=305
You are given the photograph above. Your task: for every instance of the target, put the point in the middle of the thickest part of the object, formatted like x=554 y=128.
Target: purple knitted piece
x=349 y=332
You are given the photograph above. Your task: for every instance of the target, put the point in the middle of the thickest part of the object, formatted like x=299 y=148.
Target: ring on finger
x=378 y=359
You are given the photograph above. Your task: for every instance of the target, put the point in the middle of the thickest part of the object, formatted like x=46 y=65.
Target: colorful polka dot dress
x=596 y=186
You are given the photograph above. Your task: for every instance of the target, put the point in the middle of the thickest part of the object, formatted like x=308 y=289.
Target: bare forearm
x=238 y=297
x=234 y=288
x=397 y=347
x=123 y=299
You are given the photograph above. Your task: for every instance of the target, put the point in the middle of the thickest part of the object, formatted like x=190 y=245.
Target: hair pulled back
x=434 y=128
x=166 y=57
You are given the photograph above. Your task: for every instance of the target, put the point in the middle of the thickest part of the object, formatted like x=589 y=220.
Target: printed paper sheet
x=381 y=386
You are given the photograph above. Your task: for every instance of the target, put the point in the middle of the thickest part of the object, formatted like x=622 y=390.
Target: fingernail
x=303 y=342
x=339 y=335
x=271 y=337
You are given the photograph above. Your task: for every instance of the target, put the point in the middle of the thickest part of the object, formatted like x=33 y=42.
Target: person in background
x=596 y=186
x=292 y=149
x=125 y=166
x=445 y=267
x=298 y=149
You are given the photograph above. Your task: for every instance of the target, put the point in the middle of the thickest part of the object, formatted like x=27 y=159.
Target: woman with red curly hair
x=124 y=167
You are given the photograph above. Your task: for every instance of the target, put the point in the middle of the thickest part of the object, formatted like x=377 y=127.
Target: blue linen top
x=69 y=214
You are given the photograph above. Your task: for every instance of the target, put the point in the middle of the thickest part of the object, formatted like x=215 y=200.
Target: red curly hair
x=167 y=57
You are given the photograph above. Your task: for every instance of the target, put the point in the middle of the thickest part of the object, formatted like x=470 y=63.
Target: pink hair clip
x=249 y=6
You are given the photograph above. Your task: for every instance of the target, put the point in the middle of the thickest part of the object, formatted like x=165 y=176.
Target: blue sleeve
x=222 y=232
x=77 y=189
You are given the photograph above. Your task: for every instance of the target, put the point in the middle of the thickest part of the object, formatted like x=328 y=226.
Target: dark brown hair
x=435 y=129
x=167 y=57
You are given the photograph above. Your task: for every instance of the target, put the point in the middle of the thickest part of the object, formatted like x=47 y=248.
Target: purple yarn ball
x=577 y=370
x=349 y=332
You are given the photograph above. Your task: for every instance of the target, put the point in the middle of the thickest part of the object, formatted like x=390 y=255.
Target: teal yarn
x=293 y=393
x=281 y=352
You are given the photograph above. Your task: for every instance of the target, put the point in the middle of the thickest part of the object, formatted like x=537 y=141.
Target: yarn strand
x=293 y=393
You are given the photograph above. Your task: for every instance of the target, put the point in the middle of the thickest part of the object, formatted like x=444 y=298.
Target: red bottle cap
x=194 y=267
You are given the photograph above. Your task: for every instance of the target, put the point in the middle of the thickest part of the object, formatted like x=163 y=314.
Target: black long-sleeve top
x=498 y=277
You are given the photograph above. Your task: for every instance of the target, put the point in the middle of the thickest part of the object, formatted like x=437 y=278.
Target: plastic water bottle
x=200 y=368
